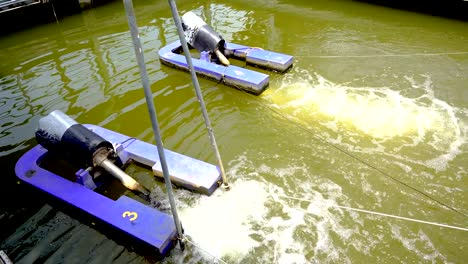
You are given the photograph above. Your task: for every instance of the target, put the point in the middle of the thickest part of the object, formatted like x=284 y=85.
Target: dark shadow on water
x=17 y=200
x=453 y=9
x=40 y=14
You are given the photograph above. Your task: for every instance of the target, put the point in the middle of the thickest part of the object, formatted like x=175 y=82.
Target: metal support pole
x=152 y=112
x=180 y=31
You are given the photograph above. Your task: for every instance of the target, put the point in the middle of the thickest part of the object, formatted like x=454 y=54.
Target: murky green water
x=373 y=115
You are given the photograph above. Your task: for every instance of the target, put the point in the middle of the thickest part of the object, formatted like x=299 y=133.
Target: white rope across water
x=365 y=162
x=386 y=55
x=185 y=239
x=382 y=214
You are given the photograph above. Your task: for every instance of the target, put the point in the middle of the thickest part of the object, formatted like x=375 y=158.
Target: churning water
x=273 y=216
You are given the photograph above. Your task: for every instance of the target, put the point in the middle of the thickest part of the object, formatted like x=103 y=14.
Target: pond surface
x=372 y=116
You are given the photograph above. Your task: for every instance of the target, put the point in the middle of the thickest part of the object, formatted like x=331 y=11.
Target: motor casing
x=60 y=134
x=200 y=35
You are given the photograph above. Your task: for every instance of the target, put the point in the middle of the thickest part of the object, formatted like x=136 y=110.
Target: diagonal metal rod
x=180 y=31
x=152 y=112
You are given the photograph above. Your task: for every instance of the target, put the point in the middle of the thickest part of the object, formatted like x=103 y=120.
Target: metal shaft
x=152 y=112
x=222 y=58
x=126 y=180
x=180 y=31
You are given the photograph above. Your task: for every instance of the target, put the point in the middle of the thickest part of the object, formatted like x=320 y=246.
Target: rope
x=382 y=214
x=387 y=55
x=127 y=140
x=204 y=250
x=369 y=165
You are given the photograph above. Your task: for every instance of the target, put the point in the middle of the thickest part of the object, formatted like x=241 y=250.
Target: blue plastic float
x=214 y=53
x=136 y=219
x=248 y=80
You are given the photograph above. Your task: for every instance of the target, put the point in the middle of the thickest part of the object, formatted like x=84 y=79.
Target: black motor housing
x=62 y=135
x=200 y=35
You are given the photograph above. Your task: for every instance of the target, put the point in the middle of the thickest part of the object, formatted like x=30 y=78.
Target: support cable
x=382 y=214
x=152 y=112
x=204 y=250
x=370 y=165
x=183 y=41
x=386 y=55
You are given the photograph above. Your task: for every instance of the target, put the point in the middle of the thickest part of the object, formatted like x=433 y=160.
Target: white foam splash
x=379 y=112
x=261 y=221
x=220 y=223
x=419 y=244
x=287 y=249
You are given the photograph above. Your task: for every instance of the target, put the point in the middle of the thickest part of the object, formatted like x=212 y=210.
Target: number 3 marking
x=133 y=215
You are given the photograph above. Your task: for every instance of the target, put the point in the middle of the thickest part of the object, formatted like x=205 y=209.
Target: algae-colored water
x=373 y=115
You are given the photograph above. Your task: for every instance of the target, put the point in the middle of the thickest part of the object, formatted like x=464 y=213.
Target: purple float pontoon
x=59 y=133
x=238 y=77
x=214 y=51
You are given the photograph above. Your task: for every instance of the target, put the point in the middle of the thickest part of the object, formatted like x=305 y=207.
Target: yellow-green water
x=373 y=115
